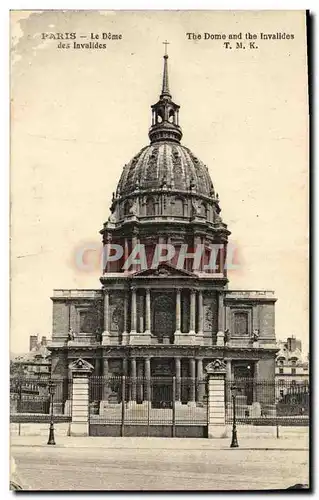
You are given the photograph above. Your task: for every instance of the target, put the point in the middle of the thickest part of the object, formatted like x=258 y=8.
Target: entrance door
x=162 y=383
x=164 y=318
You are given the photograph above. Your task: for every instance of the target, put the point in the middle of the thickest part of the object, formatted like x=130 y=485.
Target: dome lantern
x=165 y=119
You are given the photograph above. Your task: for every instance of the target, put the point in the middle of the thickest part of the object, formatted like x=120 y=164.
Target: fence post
x=216 y=417
x=123 y=405
x=81 y=371
x=174 y=407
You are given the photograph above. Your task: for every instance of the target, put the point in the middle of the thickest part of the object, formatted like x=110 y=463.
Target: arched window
x=179 y=207
x=203 y=210
x=127 y=207
x=171 y=116
x=163 y=308
x=150 y=206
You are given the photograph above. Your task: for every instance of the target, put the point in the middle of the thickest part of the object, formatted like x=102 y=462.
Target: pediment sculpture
x=216 y=366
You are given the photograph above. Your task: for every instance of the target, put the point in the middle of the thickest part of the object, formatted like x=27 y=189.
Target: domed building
x=164 y=309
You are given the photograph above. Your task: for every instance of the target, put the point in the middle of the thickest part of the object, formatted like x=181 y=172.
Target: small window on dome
x=150 y=206
x=179 y=207
x=127 y=207
x=171 y=116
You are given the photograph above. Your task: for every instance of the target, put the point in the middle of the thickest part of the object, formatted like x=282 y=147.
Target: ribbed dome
x=165 y=165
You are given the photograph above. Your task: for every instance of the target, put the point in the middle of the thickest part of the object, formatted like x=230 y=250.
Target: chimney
x=33 y=342
x=292 y=343
x=44 y=341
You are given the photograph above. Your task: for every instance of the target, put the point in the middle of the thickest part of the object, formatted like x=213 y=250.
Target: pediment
x=216 y=366
x=165 y=270
x=81 y=365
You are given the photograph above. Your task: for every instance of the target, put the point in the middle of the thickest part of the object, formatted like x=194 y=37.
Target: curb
x=17 y=445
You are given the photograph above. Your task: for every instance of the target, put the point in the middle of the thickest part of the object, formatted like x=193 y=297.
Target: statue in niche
x=71 y=334
x=112 y=217
x=208 y=319
x=98 y=334
x=195 y=208
x=133 y=208
x=117 y=317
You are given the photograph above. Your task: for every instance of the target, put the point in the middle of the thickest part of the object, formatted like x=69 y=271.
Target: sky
x=79 y=115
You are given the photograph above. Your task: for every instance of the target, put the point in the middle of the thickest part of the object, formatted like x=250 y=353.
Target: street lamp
x=234 y=392
x=51 y=432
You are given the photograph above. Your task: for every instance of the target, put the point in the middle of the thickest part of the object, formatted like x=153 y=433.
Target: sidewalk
x=285 y=443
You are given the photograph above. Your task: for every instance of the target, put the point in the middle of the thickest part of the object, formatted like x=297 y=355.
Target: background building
x=292 y=367
x=170 y=319
x=36 y=362
x=29 y=377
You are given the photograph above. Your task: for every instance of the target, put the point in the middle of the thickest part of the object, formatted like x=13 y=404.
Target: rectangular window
x=281 y=370
x=241 y=323
x=293 y=371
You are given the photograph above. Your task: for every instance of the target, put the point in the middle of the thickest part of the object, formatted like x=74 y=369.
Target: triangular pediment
x=216 y=366
x=81 y=365
x=163 y=270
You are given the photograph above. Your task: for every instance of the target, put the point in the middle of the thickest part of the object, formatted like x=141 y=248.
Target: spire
x=165 y=122
x=165 y=86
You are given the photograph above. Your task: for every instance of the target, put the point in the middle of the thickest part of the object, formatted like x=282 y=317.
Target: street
x=185 y=467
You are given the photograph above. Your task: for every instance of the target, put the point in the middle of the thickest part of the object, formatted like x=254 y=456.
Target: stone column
x=221 y=313
x=192 y=392
x=106 y=333
x=192 y=312
x=125 y=334
x=147 y=372
x=148 y=311
x=81 y=371
x=216 y=372
x=107 y=253
x=178 y=379
x=126 y=253
x=133 y=310
x=178 y=312
x=200 y=381
x=135 y=242
x=200 y=314
x=105 y=380
x=133 y=380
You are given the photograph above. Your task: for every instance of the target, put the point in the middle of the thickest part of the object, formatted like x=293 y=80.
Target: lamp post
x=234 y=392
x=51 y=431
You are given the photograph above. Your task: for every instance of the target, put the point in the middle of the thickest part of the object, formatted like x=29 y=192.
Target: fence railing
x=161 y=400
x=267 y=403
x=30 y=398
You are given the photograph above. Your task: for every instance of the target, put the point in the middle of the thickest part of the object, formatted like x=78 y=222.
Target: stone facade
x=165 y=316
x=292 y=367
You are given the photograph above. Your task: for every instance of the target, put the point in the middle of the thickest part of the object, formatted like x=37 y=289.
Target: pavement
x=251 y=443
x=160 y=464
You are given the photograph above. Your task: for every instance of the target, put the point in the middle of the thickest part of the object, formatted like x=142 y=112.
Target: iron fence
x=30 y=399
x=148 y=406
x=161 y=401
x=267 y=403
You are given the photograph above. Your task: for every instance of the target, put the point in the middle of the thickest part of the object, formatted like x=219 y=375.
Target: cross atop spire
x=166 y=43
x=165 y=86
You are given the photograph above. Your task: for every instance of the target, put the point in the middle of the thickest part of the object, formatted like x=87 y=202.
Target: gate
x=159 y=406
